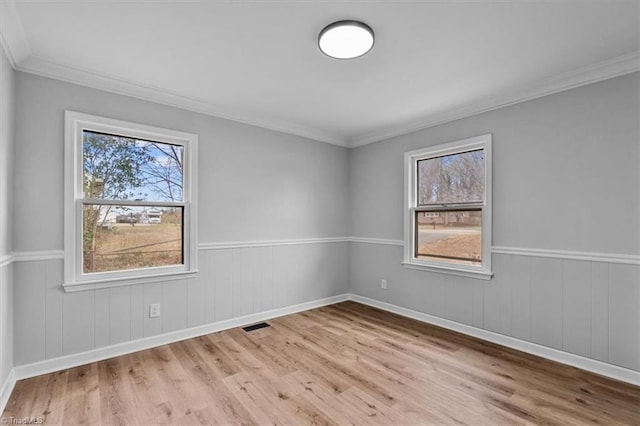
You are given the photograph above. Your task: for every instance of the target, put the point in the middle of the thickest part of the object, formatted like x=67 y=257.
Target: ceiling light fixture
x=346 y=39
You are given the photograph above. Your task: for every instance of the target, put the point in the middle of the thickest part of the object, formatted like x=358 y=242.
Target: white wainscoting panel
x=576 y=309
x=232 y=283
x=598 y=367
x=585 y=307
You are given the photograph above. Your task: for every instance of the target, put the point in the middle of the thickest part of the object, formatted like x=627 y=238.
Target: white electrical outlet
x=383 y=283
x=154 y=310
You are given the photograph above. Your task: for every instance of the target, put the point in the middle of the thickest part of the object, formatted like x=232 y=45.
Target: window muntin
x=130 y=202
x=448 y=199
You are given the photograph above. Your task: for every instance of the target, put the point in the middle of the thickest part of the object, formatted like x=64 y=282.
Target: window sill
x=85 y=285
x=449 y=270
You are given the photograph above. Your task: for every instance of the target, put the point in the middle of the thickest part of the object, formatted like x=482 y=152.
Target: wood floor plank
x=261 y=407
x=340 y=364
x=82 y=398
x=54 y=406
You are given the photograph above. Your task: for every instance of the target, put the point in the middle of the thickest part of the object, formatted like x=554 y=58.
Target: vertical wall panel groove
x=546 y=313
x=577 y=307
x=53 y=309
x=624 y=316
x=119 y=314
x=600 y=311
x=101 y=322
x=137 y=312
x=521 y=276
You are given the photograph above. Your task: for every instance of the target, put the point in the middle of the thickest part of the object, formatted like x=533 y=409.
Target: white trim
x=119 y=282
x=270 y=243
x=34 y=256
x=7 y=388
x=411 y=204
x=74 y=360
x=381 y=241
x=50 y=68
x=594 y=366
x=15 y=43
x=446 y=269
x=611 y=68
x=6 y=260
x=629 y=259
x=74 y=277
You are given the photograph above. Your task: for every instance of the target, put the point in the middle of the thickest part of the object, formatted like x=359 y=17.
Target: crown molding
x=615 y=67
x=46 y=67
x=12 y=36
x=15 y=44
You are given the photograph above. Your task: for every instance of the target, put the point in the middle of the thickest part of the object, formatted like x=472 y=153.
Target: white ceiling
x=258 y=61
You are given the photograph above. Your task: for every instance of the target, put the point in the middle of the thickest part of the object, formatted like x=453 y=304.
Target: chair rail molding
x=6 y=260
x=629 y=259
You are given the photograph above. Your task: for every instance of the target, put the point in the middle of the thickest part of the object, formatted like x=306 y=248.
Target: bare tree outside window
x=457 y=178
x=445 y=228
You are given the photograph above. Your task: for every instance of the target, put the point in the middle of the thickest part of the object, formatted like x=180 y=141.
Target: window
x=448 y=208
x=129 y=203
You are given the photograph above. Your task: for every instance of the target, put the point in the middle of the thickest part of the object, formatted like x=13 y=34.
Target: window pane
x=117 y=238
x=121 y=168
x=457 y=178
x=454 y=236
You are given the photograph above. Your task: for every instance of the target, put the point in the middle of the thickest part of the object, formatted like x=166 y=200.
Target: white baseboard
x=74 y=360
x=592 y=365
x=7 y=388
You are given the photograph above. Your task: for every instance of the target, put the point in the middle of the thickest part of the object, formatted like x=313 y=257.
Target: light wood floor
x=341 y=364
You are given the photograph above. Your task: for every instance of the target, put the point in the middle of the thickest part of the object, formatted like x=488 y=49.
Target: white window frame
x=411 y=159
x=74 y=277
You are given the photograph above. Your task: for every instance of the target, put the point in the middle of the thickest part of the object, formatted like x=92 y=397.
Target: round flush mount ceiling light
x=346 y=39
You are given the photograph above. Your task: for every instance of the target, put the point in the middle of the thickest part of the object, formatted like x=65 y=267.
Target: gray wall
x=566 y=178
x=254 y=184
x=7 y=98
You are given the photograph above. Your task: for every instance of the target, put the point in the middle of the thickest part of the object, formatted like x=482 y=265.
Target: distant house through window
x=130 y=201
x=448 y=217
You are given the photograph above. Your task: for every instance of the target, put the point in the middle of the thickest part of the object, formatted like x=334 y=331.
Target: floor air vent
x=256 y=326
